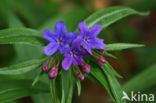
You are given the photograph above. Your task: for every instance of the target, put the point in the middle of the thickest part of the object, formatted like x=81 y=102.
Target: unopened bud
x=53 y=72
x=45 y=66
x=101 y=61
x=85 y=67
x=79 y=75
x=103 y=51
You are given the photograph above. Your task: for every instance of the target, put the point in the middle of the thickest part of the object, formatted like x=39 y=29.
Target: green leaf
x=53 y=91
x=110 y=15
x=99 y=77
x=59 y=87
x=111 y=70
x=23 y=52
x=106 y=76
x=21 y=36
x=41 y=98
x=37 y=78
x=121 y=46
x=22 y=68
x=110 y=55
x=142 y=81
x=11 y=90
x=78 y=83
x=114 y=85
x=70 y=88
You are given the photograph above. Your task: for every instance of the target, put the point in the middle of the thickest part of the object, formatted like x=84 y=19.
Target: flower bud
x=53 y=72
x=85 y=67
x=103 y=51
x=79 y=75
x=101 y=61
x=45 y=66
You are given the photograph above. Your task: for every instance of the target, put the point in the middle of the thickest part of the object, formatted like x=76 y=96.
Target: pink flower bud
x=45 y=66
x=53 y=72
x=85 y=67
x=101 y=61
x=79 y=75
x=103 y=51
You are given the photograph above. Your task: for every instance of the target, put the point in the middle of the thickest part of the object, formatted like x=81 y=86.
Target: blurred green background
x=134 y=29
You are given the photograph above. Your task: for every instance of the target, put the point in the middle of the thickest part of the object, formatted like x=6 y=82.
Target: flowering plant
x=59 y=41
x=65 y=57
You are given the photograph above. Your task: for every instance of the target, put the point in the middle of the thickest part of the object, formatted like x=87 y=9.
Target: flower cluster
x=73 y=48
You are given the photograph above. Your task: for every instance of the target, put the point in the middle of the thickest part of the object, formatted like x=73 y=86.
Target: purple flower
x=73 y=55
x=88 y=37
x=59 y=39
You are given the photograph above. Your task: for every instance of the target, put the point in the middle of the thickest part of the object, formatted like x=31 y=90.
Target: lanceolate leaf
x=22 y=68
x=11 y=90
x=111 y=70
x=23 y=52
x=142 y=81
x=114 y=85
x=106 y=76
x=121 y=46
x=70 y=89
x=99 y=77
x=78 y=83
x=21 y=36
x=110 y=15
x=53 y=91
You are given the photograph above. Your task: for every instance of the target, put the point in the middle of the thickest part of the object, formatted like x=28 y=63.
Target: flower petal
x=97 y=43
x=60 y=27
x=63 y=48
x=77 y=42
x=51 y=48
x=49 y=35
x=83 y=28
x=70 y=37
x=83 y=52
x=87 y=47
x=95 y=30
x=67 y=62
x=77 y=60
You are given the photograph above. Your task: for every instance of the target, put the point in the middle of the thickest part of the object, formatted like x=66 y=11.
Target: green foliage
x=114 y=84
x=106 y=76
x=78 y=83
x=110 y=15
x=22 y=68
x=142 y=81
x=121 y=46
x=21 y=36
x=11 y=90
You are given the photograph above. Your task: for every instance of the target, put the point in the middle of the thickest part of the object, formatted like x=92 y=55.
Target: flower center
x=85 y=39
x=60 y=41
x=73 y=53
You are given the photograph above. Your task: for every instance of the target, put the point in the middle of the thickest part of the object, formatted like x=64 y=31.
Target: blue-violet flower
x=73 y=55
x=88 y=37
x=59 y=39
